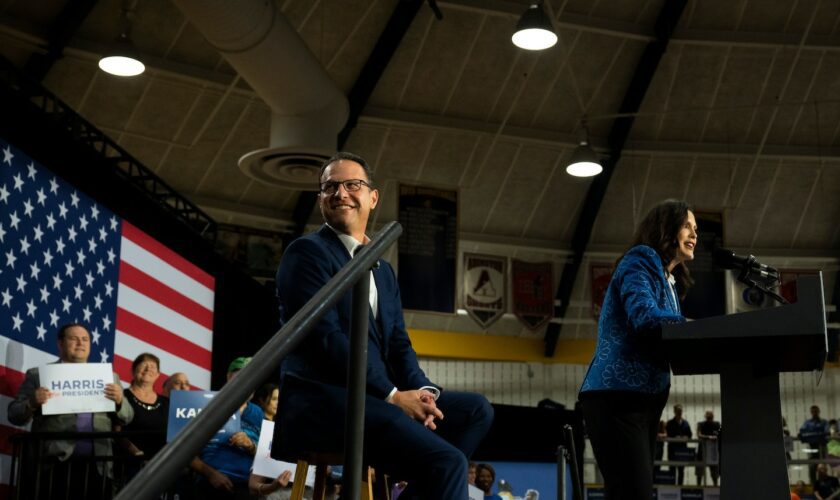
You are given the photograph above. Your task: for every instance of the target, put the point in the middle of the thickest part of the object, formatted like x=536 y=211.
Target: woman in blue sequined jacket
x=626 y=386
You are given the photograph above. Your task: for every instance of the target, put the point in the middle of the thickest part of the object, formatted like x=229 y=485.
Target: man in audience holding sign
x=414 y=430
x=73 y=347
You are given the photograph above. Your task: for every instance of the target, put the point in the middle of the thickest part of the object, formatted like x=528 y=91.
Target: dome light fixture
x=534 y=30
x=584 y=161
x=121 y=59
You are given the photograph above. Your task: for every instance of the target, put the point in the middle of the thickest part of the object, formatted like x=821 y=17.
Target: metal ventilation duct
x=308 y=109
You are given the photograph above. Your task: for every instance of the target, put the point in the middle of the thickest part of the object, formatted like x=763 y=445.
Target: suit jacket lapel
x=334 y=244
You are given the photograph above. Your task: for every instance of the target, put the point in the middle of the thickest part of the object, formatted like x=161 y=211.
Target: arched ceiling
x=742 y=115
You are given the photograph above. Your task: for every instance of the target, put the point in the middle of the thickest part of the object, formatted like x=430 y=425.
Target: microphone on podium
x=728 y=259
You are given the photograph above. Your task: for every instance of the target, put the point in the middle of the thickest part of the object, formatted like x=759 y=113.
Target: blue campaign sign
x=186 y=405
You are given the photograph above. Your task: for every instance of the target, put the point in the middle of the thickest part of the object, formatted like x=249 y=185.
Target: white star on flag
x=18 y=322
x=41 y=331
x=31 y=308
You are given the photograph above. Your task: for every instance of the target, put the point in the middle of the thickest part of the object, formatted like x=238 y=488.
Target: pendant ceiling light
x=534 y=30
x=584 y=161
x=121 y=58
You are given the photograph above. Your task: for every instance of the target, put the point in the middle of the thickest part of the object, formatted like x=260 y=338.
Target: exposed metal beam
x=747 y=39
x=548 y=138
x=62 y=29
x=227 y=83
x=620 y=131
x=387 y=44
x=633 y=31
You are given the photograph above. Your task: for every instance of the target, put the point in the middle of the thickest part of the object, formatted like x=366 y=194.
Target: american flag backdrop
x=64 y=258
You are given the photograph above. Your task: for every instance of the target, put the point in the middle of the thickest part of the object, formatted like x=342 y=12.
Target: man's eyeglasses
x=350 y=185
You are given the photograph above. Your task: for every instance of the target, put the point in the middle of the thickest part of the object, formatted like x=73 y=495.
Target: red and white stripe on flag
x=165 y=307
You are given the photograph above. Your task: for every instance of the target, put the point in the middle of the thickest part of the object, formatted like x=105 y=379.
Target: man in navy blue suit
x=413 y=428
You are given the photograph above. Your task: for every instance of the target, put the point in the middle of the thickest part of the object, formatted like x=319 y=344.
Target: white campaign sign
x=76 y=387
x=266 y=466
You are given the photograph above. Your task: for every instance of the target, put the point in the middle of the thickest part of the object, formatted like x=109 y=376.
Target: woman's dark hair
x=659 y=230
x=145 y=357
x=263 y=394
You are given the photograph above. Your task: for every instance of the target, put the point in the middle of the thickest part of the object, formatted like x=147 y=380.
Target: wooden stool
x=321 y=461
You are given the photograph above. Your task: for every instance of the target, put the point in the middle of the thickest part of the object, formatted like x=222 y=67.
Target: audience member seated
x=224 y=467
x=73 y=347
x=176 y=382
x=814 y=434
x=485 y=477
x=802 y=491
x=397 y=489
x=266 y=398
x=825 y=486
x=677 y=427
x=471 y=472
x=150 y=410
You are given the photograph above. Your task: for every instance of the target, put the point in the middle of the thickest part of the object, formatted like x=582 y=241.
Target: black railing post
x=354 y=426
x=561 y=473
x=577 y=488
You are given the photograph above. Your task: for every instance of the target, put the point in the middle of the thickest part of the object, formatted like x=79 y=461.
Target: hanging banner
x=484 y=287
x=428 y=248
x=533 y=292
x=600 y=274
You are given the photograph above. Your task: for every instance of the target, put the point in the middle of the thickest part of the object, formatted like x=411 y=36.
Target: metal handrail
x=167 y=464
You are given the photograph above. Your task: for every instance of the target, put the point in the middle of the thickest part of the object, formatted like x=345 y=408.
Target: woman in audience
x=485 y=476
x=266 y=398
x=150 y=409
x=626 y=387
x=263 y=487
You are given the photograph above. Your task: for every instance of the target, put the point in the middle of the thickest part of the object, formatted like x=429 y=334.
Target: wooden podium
x=749 y=350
